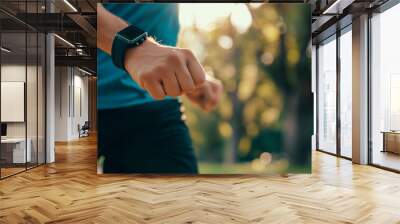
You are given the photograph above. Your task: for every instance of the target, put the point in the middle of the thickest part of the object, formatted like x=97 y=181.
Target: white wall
x=12 y=73
x=70 y=84
x=80 y=89
x=13 y=101
x=33 y=127
x=61 y=103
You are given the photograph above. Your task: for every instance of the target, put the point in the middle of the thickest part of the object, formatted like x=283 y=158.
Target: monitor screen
x=3 y=129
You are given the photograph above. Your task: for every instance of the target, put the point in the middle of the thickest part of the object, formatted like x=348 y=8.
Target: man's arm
x=109 y=25
x=161 y=70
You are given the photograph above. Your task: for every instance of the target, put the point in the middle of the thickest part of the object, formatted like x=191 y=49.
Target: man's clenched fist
x=164 y=71
x=207 y=95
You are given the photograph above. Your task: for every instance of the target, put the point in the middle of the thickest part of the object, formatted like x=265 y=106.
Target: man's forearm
x=161 y=70
x=110 y=26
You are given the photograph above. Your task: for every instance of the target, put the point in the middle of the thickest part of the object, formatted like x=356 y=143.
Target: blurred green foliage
x=267 y=104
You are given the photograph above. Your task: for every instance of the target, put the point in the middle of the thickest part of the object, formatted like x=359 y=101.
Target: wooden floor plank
x=70 y=191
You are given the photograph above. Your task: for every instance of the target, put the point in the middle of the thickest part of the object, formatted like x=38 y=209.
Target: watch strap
x=122 y=42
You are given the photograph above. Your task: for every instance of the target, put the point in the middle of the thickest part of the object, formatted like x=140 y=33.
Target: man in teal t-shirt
x=140 y=125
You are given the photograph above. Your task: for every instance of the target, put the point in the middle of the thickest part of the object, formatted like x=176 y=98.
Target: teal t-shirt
x=115 y=87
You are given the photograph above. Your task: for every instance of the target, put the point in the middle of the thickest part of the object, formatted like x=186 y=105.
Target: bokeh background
x=262 y=54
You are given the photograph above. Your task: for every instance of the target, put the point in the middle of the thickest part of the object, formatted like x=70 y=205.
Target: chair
x=84 y=130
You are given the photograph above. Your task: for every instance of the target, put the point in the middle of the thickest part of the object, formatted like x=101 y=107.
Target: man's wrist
x=127 y=38
x=132 y=53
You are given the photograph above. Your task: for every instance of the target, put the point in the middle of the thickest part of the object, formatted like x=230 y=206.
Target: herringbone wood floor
x=69 y=191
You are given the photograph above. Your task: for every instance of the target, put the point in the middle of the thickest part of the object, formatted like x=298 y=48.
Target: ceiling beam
x=79 y=61
x=337 y=7
x=83 y=23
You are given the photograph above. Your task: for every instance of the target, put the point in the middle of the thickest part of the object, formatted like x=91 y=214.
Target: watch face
x=131 y=32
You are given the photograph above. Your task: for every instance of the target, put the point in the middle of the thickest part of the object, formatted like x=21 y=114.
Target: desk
x=13 y=150
x=391 y=141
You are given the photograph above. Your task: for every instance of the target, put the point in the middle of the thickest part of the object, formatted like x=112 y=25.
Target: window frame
x=333 y=37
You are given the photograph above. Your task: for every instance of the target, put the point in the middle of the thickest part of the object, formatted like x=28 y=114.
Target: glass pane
x=31 y=97
x=346 y=94
x=385 y=112
x=13 y=86
x=32 y=87
x=327 y=97
x=23 y=89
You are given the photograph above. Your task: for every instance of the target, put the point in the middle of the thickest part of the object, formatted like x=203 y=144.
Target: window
x=346 y=92
x=327 y=96
x=385 y=89
x=22 y=78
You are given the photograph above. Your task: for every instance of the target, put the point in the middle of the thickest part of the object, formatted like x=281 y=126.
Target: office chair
x=84 y=130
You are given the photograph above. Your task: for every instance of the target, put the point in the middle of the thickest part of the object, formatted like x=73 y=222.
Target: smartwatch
x=129 y=37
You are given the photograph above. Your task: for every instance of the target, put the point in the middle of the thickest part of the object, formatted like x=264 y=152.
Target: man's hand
x=164 y=71
x=207 y=95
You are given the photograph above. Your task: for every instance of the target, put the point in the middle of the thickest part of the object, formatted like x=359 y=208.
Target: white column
x=360 y=90
x=50 y=99
x=50 y=92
